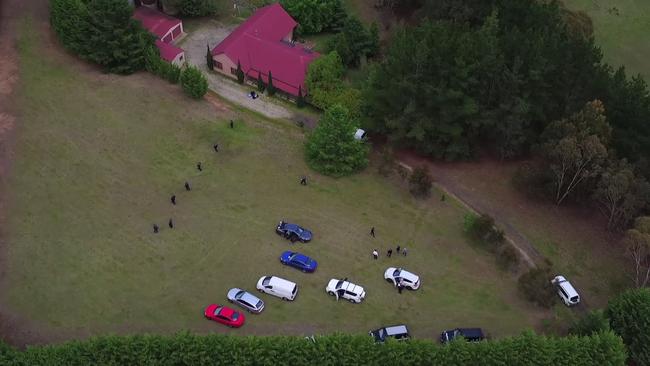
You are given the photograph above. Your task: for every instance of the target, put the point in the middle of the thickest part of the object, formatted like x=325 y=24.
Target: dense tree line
x=103 y=32
x=186 y=349
x=495 y=73
x=316 y=16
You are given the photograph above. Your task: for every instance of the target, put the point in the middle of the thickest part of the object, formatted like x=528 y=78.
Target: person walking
x=187 y=186
x=199 y=167
x=155 y=229
x=404 y=251
x=400 y=287
x=216 y=147
x=372 y=231
x=173 y=199
x=397 y=249
x=171 y=223
x=389 y=253
x=303 y=180
x=375 y=254
x=232 y=124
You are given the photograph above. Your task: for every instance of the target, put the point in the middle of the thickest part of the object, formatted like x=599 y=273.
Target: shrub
x=218 y=349
x=536 y=286
x=420 y=182
x=270 y=88
x=481 y=230
x=386 y=161
x=197 y=8
x=240 y=73
x=300 y=102
x=629 y=317
x=507 y=256
x=155 y=65
x=332 y=149
x=209 y=60
x=193 y=82
x=592 y=322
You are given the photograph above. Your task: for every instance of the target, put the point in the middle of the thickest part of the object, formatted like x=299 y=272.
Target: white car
x=346 y=290
x=397 y=275
x=276 y=286
x=566 y=291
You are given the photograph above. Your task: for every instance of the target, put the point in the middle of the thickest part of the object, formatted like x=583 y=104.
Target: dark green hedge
x=186 y=349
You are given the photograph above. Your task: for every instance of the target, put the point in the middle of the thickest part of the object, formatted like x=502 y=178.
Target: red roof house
x=166 y=29
x=263 y=43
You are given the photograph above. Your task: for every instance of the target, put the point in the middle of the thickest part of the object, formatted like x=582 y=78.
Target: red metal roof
x=257 y=44
x=168 y=52
x=154 y=21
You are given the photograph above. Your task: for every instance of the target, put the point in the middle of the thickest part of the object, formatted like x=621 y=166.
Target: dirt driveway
x=212 y=33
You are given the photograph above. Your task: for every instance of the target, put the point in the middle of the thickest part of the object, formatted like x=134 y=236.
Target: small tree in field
x=637 y=248
x=209 y=60
x=420 y=182
x=332 y=149
x=270 y=88
x=193 y=82
x=240 y=73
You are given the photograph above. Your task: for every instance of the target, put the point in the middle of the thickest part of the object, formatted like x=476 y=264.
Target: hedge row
x=187 y=349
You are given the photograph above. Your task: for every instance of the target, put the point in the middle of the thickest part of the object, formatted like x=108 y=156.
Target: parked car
x=293 y=232
x=470 y=334
x=297 y=260
x=346 y=290
x=224 y=315
x=566 y=291
x=276 y=286
x=246 y=300
x=400 y=275
x=398 y=332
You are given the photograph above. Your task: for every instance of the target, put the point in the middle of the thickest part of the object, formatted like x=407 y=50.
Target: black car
x=293 y=232
x=399 y=332
x=470 y=334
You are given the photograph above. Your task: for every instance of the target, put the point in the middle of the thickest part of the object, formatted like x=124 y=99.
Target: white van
x=566 y=291
x=276 y=286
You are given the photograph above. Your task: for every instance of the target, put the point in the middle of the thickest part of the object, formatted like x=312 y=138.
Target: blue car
x=293 y=232
x=297 y=260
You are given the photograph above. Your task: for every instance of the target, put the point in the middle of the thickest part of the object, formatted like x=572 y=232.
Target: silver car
x=246 y=300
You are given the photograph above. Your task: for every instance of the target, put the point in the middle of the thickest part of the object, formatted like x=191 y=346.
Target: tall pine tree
x=209 y=60
x=240 y=73
x=270 y=88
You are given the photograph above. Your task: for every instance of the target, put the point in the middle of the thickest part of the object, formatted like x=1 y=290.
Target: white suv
x=346 y=290
x=406 y=278
x=567 y=293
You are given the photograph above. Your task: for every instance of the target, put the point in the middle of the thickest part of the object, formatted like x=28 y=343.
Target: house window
x=218 y=65
x=233 y=71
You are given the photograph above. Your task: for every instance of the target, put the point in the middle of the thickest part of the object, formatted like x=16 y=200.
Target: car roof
x=349 y=286
x=277 y=281
x=301 y=257
x=250 y=298
x=226 y=311
x=568 y=288
x=396 y=329
x=471 y=332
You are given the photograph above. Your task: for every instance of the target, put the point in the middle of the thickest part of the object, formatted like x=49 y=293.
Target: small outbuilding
x=166 y=28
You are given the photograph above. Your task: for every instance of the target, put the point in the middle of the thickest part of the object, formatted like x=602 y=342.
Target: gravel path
x=195 y=46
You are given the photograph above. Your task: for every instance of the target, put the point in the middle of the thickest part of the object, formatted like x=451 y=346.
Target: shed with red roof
x=166 y=28
x=263 y=43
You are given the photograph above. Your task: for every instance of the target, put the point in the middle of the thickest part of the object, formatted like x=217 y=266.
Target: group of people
x=199 y=167
x=389 y=253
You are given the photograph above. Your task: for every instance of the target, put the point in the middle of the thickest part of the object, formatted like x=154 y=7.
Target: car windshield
x=397 y=272
x=259 y=304
x=574 y=299
x=266 y=280
x=292 y=256
x=235 y=315
x=217 y=311
x=240 y=294
x=339 y=284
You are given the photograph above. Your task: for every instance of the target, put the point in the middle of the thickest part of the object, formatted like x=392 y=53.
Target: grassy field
x=97 y=158
x=622 y=29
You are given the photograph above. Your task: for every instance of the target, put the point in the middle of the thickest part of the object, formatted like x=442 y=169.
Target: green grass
x=623 y=36
x=97 y=158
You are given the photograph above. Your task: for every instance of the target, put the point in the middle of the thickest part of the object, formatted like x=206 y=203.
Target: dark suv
x=293 y=232
x=470 y=334
x=399 y=332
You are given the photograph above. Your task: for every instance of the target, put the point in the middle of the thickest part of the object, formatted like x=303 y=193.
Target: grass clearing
x=621 y=29
x=97 y=158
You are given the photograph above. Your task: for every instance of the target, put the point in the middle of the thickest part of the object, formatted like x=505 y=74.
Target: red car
x=224 y=315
